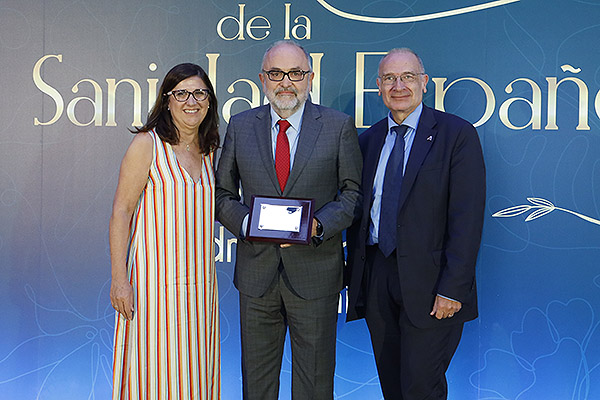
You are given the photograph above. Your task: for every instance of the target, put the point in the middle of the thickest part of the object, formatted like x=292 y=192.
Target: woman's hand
x=121 y=298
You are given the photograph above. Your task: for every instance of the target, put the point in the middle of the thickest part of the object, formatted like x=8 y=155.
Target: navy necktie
x=392 y=182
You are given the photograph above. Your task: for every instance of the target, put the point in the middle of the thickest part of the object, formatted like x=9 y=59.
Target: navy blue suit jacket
x=440 y=218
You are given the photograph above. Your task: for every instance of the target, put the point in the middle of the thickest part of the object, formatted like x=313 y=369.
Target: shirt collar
x=412 y=121
x=295 y=119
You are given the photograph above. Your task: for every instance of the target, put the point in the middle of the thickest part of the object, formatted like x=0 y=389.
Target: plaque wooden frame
x=266 y=235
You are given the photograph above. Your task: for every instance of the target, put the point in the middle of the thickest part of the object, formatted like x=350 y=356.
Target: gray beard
x=287 y=105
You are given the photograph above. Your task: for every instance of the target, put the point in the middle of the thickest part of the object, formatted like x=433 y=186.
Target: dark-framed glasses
x=183 y=95
x=407 y=77
x=294 y=75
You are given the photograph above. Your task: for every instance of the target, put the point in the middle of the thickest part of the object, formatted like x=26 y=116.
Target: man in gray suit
x=312 y=153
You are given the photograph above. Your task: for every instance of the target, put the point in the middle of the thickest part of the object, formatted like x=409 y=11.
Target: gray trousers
x=312 y=325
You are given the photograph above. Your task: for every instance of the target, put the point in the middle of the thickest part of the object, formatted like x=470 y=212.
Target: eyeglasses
x=294 y=75
x=183 y=95
x=407 y=77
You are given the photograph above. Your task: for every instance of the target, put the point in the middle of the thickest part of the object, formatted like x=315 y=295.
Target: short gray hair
x=291 y=43
x=398 y=50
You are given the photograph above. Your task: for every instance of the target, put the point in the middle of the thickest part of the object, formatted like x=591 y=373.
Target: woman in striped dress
x=164 y=286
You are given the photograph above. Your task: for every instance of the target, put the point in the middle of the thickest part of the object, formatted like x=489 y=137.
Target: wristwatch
x=319 y=228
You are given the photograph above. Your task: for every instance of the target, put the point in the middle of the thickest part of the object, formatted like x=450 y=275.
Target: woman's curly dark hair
x=160 y=119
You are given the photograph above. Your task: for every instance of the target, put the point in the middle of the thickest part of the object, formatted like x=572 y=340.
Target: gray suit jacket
x=327 y=167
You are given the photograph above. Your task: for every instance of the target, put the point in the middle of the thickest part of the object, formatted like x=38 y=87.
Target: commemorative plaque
x=280 y=220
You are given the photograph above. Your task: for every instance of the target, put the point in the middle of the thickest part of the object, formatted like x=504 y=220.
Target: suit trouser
x=312 y=325
x=411 y=362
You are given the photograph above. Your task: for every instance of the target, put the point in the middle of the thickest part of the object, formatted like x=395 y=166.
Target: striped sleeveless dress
x=171 y=348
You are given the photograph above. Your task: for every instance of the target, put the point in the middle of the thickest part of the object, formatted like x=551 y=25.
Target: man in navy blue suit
x=412 y=254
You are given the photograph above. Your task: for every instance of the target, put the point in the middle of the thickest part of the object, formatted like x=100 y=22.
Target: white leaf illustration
x=512 y=211
x=540 y=202
x=543 y=207
x=538 y=213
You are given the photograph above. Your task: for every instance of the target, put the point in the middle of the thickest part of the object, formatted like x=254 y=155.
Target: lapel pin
x=430 y=138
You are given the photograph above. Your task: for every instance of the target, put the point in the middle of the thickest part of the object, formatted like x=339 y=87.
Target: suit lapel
x=307 y=139
x=262 y=130
x=424 y=139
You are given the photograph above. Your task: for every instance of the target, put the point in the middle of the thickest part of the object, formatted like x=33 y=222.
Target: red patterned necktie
x=282 y=154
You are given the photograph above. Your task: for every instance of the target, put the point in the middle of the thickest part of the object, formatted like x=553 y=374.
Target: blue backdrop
x=77 y=74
